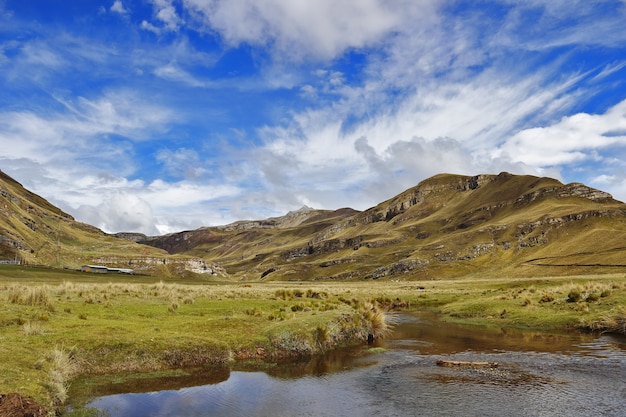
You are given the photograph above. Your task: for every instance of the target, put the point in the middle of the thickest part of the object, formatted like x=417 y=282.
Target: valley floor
x=57 y=325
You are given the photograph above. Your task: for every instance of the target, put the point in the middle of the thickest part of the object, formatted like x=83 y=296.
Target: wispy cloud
x=194 y=112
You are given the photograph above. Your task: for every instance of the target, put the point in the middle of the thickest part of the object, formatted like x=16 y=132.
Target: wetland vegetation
x=57 y=325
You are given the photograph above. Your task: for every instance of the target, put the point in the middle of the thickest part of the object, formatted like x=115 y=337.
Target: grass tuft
x=33 y=329
x=62 y=367
x=609 y=323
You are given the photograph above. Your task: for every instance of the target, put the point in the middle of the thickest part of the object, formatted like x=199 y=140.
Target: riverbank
x=53 y=332
x=55 y=328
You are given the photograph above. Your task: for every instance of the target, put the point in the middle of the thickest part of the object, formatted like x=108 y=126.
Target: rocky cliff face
x=148 y=265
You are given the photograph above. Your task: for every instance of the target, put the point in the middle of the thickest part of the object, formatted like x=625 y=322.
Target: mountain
x=446 y=226
x=35 y=232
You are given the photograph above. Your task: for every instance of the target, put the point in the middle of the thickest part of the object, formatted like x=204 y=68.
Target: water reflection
x=538 y=375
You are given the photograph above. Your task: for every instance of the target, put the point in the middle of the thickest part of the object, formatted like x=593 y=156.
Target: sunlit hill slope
x=34 y=232
x=446 y=226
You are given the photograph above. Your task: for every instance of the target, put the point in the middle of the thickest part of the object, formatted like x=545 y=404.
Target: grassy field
x=60 y=324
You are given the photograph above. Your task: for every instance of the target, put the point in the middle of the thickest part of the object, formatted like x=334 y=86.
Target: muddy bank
x=15 y=405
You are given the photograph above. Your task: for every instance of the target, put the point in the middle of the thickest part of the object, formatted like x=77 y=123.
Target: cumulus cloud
x=571 y=139
x=120 y=212
x=166 y=15
x=118 y=7
x=145 y=25
x=297 y=29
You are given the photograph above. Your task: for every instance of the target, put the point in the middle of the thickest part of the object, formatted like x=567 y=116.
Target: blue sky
x=163 y=115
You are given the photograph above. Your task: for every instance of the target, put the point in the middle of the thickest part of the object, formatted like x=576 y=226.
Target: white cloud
x=173 y=72
x=167 y=16
x=150 y=27
x=573 y=138
x=181 y=163
x=118 y=7
x=301 y=29
x=82 y=131
x=120 y=212
x=466 y=92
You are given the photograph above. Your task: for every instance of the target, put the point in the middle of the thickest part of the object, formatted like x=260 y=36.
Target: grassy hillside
x=34 y=232
x=446 y=226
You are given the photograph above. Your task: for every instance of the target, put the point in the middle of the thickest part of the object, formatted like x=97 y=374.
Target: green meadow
x=57 y=325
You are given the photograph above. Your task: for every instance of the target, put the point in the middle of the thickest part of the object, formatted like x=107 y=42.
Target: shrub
x=592 y=297
x=574 y=295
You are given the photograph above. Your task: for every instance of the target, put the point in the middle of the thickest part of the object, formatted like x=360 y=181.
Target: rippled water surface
x=537 y=374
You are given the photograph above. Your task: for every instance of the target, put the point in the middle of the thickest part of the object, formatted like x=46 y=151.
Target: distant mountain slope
x=35 y=232
x=448 y=225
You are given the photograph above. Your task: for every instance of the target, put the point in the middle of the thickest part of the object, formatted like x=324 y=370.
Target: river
x=534 y=374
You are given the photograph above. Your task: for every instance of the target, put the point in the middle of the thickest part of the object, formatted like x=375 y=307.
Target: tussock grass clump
x=546 y=298
x=173 y=306
x=380 y=321
x=283 y=294
x=14 y=294
x=610 y=323
x=35 y=296
x=297 y=307
x=321 y=337
x=253 y=312
x=32 y=329
x=61 y=368
x=574 y=295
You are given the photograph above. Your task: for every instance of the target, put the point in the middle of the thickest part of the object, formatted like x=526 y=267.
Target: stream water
x=537 y=374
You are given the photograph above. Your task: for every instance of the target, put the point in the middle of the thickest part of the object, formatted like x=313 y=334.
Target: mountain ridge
x=447 y=225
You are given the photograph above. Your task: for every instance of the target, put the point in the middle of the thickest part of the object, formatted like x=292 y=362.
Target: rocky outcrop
x=291 y=219
x=564 y=191
x=134 y=237
x=146 y=264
